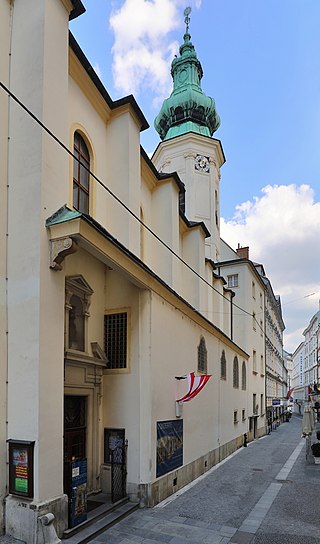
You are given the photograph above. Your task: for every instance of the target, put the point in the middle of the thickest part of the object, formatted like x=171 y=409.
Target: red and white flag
x=290 y=392
x=196 y=384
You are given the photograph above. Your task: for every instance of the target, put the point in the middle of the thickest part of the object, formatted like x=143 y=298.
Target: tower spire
x=187 y=109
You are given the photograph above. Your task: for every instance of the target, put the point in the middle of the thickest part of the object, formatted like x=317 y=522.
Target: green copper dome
x=187 y=109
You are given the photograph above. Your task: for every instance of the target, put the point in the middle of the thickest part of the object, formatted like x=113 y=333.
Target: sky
x=261 y=64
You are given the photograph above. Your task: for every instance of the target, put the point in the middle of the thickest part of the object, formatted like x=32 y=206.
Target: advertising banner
x=169 y=445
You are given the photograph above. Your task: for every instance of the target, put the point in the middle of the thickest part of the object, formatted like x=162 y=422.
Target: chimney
x=243 y=252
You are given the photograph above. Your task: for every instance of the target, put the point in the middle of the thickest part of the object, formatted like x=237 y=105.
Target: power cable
x=61 y=144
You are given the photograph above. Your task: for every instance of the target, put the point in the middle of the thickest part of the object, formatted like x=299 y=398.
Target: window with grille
x=115 y=339
x=236 y=373
x=202 y=356
x=244 y=377
x=81 y=176
x=223 y=366
x=235 y=416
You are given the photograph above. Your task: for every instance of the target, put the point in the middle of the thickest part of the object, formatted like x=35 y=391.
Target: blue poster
x=169 y=446
x=79 y=492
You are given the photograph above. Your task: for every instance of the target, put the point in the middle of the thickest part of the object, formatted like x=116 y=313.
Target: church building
x=119 y=360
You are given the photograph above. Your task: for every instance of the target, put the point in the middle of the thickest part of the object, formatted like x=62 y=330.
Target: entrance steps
x=99 y=519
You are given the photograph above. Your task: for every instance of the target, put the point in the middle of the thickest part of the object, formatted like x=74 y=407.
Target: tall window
x=233 y=280
x=223 y=366
x=261 y=365
x=254 y=361
x=116 y=339
x=244 y=377
x=202 y=356
x=81 y=177
x=235 y=373
x=254 y=404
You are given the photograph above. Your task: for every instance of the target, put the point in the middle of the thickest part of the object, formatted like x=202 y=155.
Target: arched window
x=223 y=366
x=81 y=177
x=244 y=376
x=236 y=373
x=202 y=356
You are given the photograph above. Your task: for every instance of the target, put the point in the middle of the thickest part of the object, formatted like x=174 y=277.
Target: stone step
x=98 y=521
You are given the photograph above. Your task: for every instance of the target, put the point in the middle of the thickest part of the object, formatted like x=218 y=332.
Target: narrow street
x=266 y=493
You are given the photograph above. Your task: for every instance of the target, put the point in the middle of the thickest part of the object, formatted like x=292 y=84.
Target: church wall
x=4 y=77
x=209 y=431
x=38 y=170
x=115 y=145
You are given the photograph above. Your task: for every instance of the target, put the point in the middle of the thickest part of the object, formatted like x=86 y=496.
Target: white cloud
x=282 y=229
x=143 y=48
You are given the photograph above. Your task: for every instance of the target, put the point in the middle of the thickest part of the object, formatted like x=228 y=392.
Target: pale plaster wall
x=121 y=391
x=208 y=419
x=4 y=77
x=115 y=147
x=245 y=335
x=38 y=173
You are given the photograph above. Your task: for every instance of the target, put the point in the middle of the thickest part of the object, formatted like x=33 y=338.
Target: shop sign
x=276 y=402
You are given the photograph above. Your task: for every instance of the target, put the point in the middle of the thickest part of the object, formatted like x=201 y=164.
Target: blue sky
x=261 y=63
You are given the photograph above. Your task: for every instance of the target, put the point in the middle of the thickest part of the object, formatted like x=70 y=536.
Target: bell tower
x=185 y=124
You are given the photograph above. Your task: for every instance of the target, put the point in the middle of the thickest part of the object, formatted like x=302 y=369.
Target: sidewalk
x=266 y=493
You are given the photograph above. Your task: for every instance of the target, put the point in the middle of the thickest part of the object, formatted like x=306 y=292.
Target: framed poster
x=169 y=446
x=114 y=439
x=21 y=468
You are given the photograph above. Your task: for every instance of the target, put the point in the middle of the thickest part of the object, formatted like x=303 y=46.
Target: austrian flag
x=195 y=384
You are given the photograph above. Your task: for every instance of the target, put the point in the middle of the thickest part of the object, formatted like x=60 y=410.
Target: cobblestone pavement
x=266 y=493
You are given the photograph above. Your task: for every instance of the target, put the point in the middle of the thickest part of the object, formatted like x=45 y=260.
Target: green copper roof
x=62 y=215
x=187 y=109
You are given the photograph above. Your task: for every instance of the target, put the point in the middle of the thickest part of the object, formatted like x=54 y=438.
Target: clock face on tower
x=202 y=163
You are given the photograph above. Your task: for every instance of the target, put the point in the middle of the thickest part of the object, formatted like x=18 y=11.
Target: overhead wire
x=69 y=152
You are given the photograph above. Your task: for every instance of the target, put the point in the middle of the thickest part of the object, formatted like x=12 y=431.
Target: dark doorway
x=74 y=427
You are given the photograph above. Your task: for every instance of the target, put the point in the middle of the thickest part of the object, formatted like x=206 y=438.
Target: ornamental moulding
x=59 y=249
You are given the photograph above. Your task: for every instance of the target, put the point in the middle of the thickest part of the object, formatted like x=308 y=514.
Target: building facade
x=298 y=379
x=276 y=372
x=306 y=365
x=248 y=325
